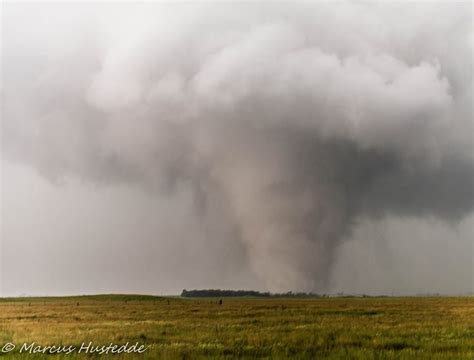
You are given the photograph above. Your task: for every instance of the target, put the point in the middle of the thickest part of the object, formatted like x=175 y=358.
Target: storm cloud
x=273 y=130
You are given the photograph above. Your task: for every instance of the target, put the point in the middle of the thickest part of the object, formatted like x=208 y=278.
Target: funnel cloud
x=308 y=147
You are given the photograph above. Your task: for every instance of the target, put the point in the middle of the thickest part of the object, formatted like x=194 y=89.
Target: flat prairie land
x=243 y=328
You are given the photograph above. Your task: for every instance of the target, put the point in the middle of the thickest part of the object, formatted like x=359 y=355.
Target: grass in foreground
x=175 y=328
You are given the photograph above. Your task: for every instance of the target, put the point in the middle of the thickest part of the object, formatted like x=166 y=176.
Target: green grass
x=325 y=328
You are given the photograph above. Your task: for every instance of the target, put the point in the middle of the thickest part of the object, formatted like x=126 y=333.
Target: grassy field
x=175 y=328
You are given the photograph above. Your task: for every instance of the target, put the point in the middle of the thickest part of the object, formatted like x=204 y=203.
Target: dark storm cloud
x=288 y=123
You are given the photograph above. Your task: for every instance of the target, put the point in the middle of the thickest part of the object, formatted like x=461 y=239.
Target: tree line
x=244 y=293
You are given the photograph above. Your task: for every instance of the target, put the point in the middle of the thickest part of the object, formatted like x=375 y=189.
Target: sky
x=155 y=147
